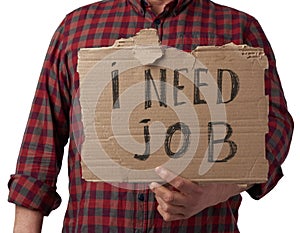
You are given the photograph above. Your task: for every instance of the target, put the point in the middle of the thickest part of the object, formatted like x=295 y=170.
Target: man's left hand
x=184 y=198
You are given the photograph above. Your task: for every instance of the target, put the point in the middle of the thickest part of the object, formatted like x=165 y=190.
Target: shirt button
x=157 y=22
x=141 y=197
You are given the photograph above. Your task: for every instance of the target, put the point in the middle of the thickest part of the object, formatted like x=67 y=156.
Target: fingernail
x=153 y=185
x=160 y=170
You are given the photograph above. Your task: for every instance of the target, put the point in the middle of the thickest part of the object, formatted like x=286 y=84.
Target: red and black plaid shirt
x=101 y=207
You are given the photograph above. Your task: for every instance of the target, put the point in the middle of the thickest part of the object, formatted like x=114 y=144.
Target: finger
x=165 y=174
x=167 y=195
x=170 y=208
x=180 y=183
x=169 y=216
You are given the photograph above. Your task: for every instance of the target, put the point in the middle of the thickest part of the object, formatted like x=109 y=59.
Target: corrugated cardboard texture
x=203 y=115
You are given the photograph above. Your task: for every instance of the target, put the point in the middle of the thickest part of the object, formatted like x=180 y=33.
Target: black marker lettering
x=148 y=80
x=186 y=135
x=115 y=88
x=177 y=87
x=234 y=85
x=146 y=154
x=212 y=141
x=197 y=84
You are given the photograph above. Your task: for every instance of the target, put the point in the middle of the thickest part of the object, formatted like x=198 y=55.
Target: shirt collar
x=173 y=8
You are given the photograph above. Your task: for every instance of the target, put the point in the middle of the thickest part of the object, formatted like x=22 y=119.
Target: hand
x=184 y=198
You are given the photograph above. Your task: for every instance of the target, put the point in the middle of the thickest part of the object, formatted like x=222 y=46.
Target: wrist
x=27 y=221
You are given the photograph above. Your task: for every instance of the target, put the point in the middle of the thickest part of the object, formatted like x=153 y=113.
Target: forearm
x=27 y=221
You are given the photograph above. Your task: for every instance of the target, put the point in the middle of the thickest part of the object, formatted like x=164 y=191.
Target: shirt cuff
x=260 y=190
x=28 y=192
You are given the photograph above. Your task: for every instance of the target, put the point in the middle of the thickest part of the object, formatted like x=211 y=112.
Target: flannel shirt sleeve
x=281 y=124
x=34 y=184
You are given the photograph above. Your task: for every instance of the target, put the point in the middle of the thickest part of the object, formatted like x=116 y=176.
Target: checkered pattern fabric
x=101 y=207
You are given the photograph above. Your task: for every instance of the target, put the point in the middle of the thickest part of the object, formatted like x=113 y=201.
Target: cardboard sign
x=202 y=115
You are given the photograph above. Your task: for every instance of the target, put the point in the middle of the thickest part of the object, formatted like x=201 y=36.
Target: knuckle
x=185 y=215
x=167 y=217
x=198 y=189
x=179 y=184
x=165 y=208
x=169 y=197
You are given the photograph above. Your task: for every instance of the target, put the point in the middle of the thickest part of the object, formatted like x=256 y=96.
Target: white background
x=26 y=30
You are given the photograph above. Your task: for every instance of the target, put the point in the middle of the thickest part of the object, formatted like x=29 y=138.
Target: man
x=101 y=207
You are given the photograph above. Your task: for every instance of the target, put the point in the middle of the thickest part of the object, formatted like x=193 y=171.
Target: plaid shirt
x=101 y=207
